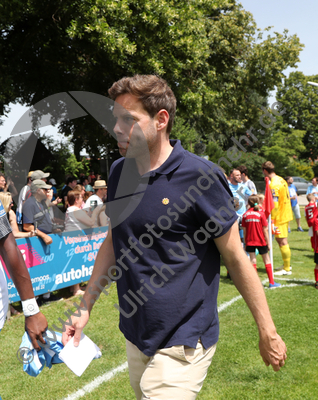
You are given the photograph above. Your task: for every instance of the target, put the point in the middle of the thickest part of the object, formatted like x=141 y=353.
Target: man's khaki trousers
x=174 y=373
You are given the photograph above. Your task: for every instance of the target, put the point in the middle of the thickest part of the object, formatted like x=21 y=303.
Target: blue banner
x=68 y=260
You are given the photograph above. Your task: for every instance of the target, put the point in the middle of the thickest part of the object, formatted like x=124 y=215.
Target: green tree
x=62 y=160
x=210 y=52
x=186 y=133
x=285 y=146
x=301 y=103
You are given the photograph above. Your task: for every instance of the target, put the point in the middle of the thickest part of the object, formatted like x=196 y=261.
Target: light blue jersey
x=240 y=192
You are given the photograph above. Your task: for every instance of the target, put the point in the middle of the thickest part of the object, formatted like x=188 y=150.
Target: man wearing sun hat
x=35 y=211
x=98 y=198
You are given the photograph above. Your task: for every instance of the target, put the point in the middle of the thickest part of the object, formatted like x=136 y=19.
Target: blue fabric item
x=241 y=192
x=292 y=192
x=39 y=359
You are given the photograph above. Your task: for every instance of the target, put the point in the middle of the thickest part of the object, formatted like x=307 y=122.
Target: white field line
x=97 y=382
x=110 y=374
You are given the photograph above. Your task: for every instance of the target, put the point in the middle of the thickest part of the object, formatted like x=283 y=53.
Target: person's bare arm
x=272 y=348
x=36 y=324
x=83 y=217
x=104 y=260
x=15 y=230
x=46 y=238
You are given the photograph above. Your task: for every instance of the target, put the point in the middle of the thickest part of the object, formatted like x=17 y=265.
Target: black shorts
x=261 y=249
x=316 y=258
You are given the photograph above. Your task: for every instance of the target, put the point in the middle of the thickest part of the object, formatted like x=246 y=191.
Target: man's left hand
x=273 y=351
x=36 y=325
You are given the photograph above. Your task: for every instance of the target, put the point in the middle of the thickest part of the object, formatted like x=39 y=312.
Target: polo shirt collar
x=173 y=161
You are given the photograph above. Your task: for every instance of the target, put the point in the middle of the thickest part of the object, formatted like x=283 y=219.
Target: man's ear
x=162 y=119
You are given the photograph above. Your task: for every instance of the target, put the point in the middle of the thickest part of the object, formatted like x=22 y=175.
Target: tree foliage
x=210 y=52
x=301 y=103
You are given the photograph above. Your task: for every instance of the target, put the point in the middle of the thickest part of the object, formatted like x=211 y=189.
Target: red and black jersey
x=311 y=213
x=254 y=221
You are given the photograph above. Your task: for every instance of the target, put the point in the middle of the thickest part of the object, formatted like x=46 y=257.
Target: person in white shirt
x=246 y=180
x=99 y=197
x=77 y=219
x=313 y=188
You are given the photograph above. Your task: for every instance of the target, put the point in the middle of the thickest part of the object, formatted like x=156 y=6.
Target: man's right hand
x=36 y=325
x=78 y=324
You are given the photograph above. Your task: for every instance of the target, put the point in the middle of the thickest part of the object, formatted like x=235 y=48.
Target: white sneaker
x=281 y=268
x=283 y=272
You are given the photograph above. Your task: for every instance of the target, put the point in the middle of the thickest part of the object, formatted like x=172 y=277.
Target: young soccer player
x=255 y=229
x=311 y=214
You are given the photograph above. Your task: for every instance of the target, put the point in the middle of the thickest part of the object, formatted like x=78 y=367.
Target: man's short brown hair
x=153 y=92
x=242 y=169
x=268 y=166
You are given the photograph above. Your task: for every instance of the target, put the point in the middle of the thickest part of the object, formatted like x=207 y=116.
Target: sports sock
x=316 y=275
x=255 y=266
x=285 y=250
x=269 y=273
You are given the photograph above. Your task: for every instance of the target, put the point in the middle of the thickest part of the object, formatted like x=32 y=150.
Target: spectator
x=77 y=219
x=36 y=213
x=7 y=202
x=71 y=182
x=91 y=178
x=84 y=181
x=80 y=188
x=89 y=191
x=52 y=182
x=313 y=188
x=294 y=202
x=246 y=180
x=240 y=193
x=99 y=197
x=2 y=182
x=21 y=200
x=37 y=174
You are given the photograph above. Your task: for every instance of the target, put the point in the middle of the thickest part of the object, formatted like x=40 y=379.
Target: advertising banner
x=68 y=260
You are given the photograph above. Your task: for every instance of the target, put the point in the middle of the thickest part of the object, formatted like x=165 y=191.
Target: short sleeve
x=215 y=205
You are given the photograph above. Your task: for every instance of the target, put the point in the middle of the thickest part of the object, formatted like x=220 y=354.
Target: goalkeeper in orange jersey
x=281 y=214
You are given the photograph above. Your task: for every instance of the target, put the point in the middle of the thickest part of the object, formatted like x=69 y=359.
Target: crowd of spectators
x=43 y=209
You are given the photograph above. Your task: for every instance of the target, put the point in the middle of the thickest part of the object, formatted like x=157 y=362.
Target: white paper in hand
x=79 y=358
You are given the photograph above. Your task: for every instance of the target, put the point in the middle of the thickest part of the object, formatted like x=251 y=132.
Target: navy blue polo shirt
x=168 y=266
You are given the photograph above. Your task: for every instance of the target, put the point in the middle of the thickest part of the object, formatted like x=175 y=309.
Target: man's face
x=135 y=129
x=2 y=182
x=73 y=184
x=42 y=193
x=103 y=193
x=236 y=177
x=290 y=181
x=314 y=182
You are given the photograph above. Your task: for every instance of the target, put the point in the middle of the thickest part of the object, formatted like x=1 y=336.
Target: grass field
x=237 y=370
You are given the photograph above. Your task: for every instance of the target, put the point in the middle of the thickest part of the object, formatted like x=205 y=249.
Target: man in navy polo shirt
x=172 y=215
